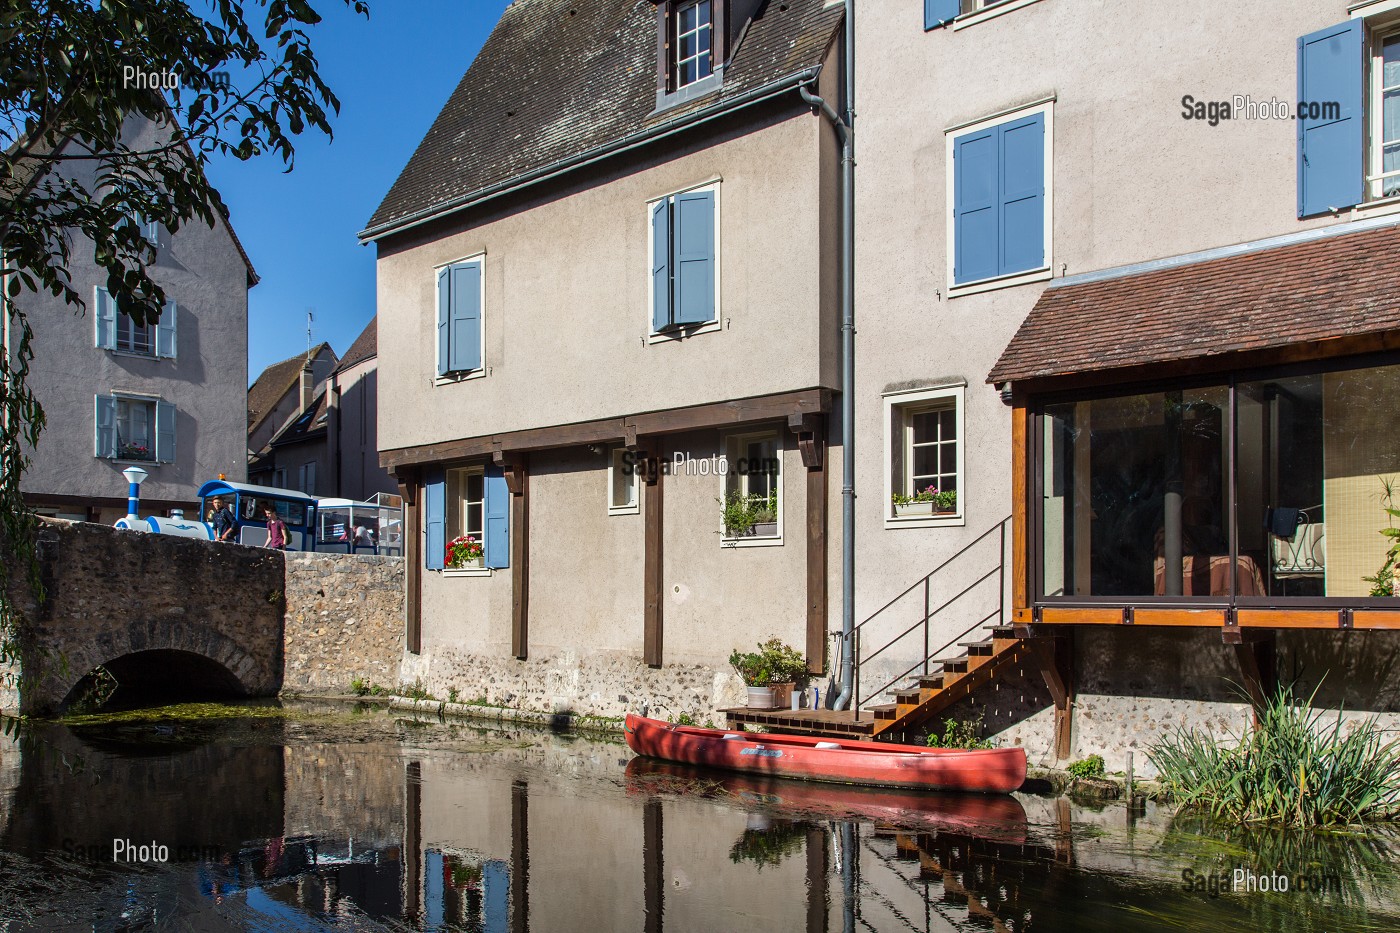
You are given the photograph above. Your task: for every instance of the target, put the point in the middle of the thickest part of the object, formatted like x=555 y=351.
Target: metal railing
x=926 y=583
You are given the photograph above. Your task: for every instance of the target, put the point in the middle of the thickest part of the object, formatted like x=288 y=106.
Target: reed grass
x=1294 y=768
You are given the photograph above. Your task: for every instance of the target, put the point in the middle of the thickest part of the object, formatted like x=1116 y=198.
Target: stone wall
x=601 y=684
x=344 y=621
x=112 y=594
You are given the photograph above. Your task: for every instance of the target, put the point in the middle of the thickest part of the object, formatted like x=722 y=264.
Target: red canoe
x=998 y=818
x=811 y=758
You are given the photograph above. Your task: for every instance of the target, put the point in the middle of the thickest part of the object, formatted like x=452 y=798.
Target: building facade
x=632 y=419
x=1114 y=252
x=157 y=396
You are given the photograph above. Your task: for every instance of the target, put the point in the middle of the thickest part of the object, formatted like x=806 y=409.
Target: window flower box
x=464 y=553
x=925 y=502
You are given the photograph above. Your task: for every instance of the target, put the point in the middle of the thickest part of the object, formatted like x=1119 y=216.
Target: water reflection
x=321 y=822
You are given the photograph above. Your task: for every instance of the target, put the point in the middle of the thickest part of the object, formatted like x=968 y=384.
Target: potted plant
x=926 y=501
x=752 y=668
x=770 y=673
x=786 y=669
x=464 y=553
x=749 y=516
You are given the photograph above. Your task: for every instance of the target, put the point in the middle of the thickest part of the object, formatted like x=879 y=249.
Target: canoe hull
x=992 y=771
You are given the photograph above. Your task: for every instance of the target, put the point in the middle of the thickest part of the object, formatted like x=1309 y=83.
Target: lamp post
x=135 y=476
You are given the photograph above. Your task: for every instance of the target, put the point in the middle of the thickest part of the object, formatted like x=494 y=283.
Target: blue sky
x=392 y=74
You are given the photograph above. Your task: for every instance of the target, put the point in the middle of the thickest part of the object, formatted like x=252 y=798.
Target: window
x=137 y=428
x=694 y=43
x=466 y=503
x=460 y=296
x=115 y=330
x=1136 y=489
x=622 y=483
x=279 y=478
x=752 y=484
x=999 y=223
x=684 y=273
x=925 y=464
x=306 y=478
x=1385 y=116
x=964 y=12
x=471 y=500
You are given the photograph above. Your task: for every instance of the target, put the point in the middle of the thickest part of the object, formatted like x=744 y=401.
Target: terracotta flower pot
x=782 y=695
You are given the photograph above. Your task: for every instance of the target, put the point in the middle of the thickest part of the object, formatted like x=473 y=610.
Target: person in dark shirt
x=224 y=525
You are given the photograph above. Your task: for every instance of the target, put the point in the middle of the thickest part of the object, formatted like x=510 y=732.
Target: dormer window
x=694 y=45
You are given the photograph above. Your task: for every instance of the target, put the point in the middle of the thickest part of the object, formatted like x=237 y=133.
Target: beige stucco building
x=1073 y=335
x=163 y=397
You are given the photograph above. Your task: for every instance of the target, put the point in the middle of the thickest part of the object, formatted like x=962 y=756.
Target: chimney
x=308 y=387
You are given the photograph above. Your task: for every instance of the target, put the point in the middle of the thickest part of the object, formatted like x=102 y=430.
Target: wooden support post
x=1020 y=504
x=413 y=560
x=654 y=583
x=516 y=468
x=811 y=442
x=653 y=865
x=1256 y=656
x=1055 y=656
x=519 y=857
x=413 y=841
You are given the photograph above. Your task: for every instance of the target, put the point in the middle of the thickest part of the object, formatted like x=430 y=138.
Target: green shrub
x=773 y=663
x=1292 y=769
x=359 y=686
x=964 y=734
x=452 y=694
x=1090 y=767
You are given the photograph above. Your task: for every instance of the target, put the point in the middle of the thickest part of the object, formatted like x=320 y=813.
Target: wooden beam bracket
x=1347 y=618
x=1230 y=632
x=1128 y=615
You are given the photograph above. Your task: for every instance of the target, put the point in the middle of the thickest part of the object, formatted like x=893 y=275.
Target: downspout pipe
x=845 y=130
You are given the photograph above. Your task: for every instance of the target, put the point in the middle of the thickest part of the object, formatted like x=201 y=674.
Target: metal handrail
x=926 y=582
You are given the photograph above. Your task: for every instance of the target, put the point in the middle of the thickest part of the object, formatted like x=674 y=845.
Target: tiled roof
x=276 y=381
x=562 y=78
x=1334 y=286
x=365 y=346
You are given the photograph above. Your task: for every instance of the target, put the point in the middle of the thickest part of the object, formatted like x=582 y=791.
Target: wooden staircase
x=930 y=694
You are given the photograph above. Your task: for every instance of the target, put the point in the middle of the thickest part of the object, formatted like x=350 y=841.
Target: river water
x=333 y=817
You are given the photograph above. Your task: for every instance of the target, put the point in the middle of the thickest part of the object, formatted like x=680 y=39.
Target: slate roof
x=1336 y=286
x=559 y=79
x=309 y=425
x=274 y=382
x=365 y=346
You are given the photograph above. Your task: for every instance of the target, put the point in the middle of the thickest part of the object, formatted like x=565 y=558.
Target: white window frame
x=905 y=402
x=132 y=326
x=740 y=440
x=700 y=26
x=713 y=184
x=1385 y=27
x=454 y=378
x=1044 y=106
x=449 y=533
x=984 y=10
x=635 y=506
x=127 y=398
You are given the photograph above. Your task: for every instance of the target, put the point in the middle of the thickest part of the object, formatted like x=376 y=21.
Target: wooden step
x=884 y=710
x=959 y=678
x=931 y=681
x=908 y=697
x=977 y=647
x=1003 y=631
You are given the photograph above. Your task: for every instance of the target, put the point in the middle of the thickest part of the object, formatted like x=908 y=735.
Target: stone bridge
x=175 y=618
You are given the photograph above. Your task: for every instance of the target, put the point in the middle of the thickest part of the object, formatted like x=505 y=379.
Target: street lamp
x=135 y=476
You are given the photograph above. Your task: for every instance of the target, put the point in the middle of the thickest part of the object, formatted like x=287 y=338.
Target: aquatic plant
x=1091 y=767
x=1292 y=768
x=960 y=734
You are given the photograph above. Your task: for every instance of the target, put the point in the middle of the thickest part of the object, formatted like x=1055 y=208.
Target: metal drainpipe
x=845 y=129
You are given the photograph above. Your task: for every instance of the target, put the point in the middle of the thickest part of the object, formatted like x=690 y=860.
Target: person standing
x=223 y=522
x=276 y=529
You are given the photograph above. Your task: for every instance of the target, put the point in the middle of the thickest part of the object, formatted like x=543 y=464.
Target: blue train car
x=297 y=509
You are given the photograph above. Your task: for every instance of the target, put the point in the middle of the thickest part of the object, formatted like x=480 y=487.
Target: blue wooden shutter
x=104 y=315
x=105 y=419
x=165 y=331
x=694 y=258
x=165 y=432
x=444 y=330
x=1331 y=153
x=1021 y=195
x=661 y=265
x=976 y=236
x=497 y=518
x=939 y=12
x=495 y=878
x=434 y=519
x=466 y=317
